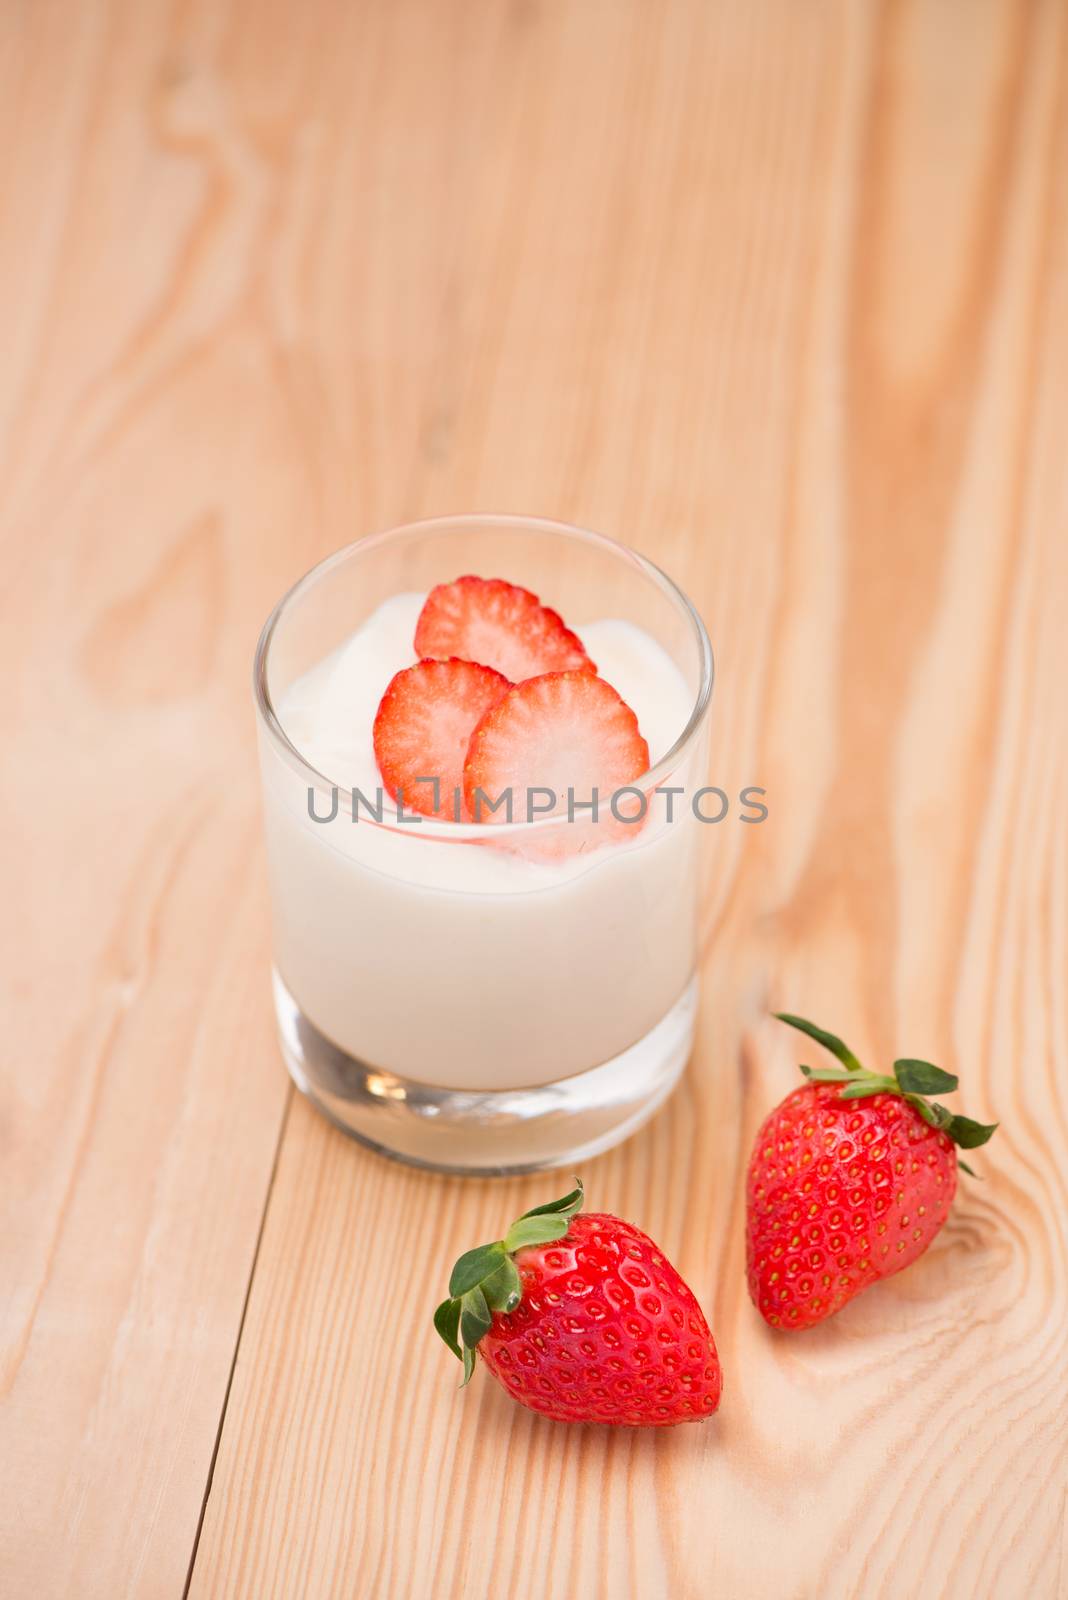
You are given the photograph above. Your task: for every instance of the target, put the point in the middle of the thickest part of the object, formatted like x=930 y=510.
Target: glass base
x=478 y=1133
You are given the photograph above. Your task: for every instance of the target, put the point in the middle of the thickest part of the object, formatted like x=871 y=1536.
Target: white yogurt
x=462 y=964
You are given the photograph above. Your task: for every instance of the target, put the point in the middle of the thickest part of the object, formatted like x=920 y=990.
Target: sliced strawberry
x=500 y=625
x=561 y=731
x=423 y=726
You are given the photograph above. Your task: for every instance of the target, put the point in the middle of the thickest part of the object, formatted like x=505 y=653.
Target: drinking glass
x=480 y=997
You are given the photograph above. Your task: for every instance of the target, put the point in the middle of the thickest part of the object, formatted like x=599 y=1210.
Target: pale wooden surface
x=777 y=292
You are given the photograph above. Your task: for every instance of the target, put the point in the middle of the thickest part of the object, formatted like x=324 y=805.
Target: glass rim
x=432 y=827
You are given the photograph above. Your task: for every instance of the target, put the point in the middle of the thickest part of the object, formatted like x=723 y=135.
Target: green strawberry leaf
x=829 y=1041
x=935 y=1115
x=534 y=1230
x=502 y=1288
x=968 y=1134
x=923 y=1077
x=869 y=1086
x=469 y=1366
x=569 y=1204
x=447 y=1322
x=827 y=1074
x=476 y=1318
x=474 y=1265
x=965 y=1133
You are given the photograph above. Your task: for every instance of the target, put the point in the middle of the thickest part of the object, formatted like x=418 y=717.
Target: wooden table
x=779 y=294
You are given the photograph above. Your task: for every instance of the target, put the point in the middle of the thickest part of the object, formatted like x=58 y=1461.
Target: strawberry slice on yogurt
x=568 y=734
x=423 y=727
x=499 y=625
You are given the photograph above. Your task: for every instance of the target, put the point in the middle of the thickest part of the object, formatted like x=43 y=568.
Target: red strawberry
x=565 y=730
x=423 y=726
x=500 y=625
x=583 y=1319
x=849 y=1181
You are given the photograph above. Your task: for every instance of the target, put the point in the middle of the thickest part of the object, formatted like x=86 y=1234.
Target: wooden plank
x=143 y=1097
x=779 y=294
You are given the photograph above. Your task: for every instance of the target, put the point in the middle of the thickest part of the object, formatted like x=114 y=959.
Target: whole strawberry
x=583 y=1319
x=849 y=1181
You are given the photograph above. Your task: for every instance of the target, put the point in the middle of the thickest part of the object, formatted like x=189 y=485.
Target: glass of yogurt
x=493 y=996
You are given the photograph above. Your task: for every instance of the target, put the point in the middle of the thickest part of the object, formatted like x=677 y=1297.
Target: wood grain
x=777 y=293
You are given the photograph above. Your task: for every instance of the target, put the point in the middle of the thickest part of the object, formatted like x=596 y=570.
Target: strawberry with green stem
x=850 y=1179
x=581 y=1318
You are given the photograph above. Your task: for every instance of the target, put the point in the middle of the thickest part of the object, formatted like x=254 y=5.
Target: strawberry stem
x=485 y=1280
x=829 y=1041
